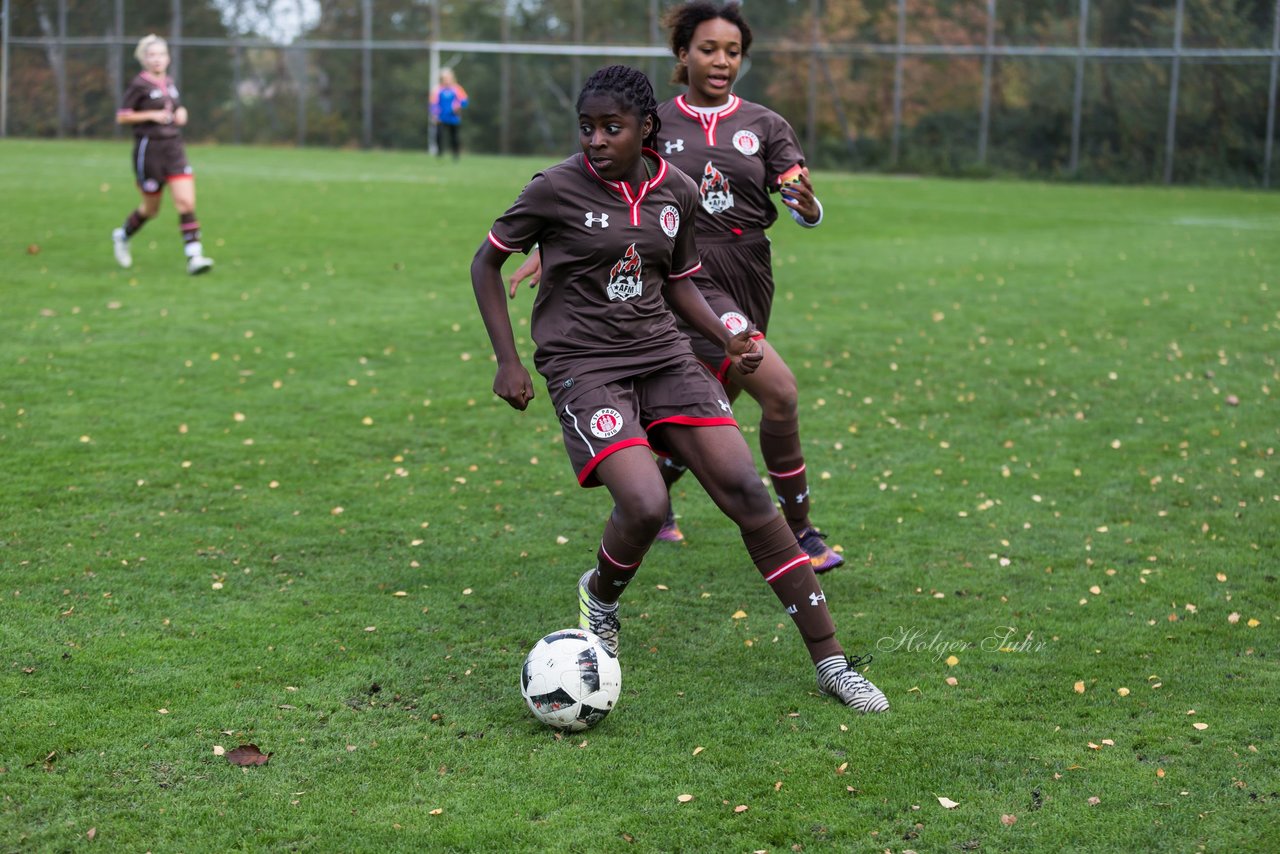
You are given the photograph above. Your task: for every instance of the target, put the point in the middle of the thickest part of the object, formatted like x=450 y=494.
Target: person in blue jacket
x=448 y=100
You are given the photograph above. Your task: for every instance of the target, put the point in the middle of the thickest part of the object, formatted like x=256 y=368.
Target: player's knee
x=781 y=401
x=642 y=517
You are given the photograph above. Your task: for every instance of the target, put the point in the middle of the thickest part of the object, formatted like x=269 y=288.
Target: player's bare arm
x=512 y=382
x=687 y=301
x=135 y=117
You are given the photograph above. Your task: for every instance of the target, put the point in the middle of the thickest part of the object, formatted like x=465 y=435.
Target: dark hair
x=683 y=20
x=632 y=90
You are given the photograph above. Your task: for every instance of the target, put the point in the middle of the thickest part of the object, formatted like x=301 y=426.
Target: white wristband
x=799 y=217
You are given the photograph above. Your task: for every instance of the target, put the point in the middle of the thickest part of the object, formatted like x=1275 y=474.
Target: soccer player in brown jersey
x=151 y=105
x=738 y=152
x=615 y=229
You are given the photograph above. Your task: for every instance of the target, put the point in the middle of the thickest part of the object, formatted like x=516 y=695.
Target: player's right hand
x=744 y=352
x=514 y=385
x=531 y=269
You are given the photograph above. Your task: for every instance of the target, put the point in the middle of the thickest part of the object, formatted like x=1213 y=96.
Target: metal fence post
x=896 y=134
x=60 y=70
x=115 y=58
x=433 y=69
x=299 y=53
x=175 y=43
x=811 y=96
x=504 y=85
x=1271 y=99
x=984 y=124
x=4 y=70
x=1077 y=97
x=1175 y=71
x=366 y=72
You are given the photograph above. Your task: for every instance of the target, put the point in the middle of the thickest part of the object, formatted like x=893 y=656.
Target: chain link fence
x=1179 y=91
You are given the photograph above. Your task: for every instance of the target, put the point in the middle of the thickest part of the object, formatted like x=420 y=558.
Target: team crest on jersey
x=625 y=279
x=714 y=190
x=606 y=423
x=669 y=219
x=735 y=322
x=746 y=142
x=155 y=94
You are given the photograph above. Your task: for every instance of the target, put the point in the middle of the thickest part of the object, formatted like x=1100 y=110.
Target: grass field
x=279 y=505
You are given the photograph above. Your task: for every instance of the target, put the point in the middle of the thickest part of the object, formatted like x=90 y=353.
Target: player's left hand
x=798 y=195
x=531 y=269
x=744 y=352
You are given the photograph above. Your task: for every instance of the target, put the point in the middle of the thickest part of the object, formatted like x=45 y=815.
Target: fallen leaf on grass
x=698 y=750
x=1078 y=687
x=741 y=808
x=1200 y=726
x=90 y=833
x=1094 y=801
x=947 y=803
x=436 y=811
x=1160 y=772
x=952 y=681
x=684 y=799
x=1123 y=692
x=219 y=750
x=247 y=754
x=739 y=615
x=1008 y=820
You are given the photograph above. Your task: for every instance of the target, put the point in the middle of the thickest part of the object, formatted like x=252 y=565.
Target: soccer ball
x=570 y=680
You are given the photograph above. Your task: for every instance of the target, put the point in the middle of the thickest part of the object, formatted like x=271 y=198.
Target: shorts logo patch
x=746 y=142
x=150 y=185
x=734 y=321
x=626 y=278
x=606 y=423
x=669 y=219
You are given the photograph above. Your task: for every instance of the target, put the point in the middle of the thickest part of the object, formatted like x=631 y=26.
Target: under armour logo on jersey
x=815 y=598
x=802 y=497
x=675 y=145
x=724 y=406
x=592 y=219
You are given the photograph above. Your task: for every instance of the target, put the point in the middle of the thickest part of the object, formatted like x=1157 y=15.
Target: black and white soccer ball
x=570 y=680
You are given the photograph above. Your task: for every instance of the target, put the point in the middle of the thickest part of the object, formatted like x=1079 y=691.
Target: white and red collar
x=708 y=119
x=633 y=197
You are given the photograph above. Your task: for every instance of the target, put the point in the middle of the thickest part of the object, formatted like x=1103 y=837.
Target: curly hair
x=633 y=91
x=683 y=20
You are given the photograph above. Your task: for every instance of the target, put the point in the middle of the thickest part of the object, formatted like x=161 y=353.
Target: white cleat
x=120 y=245
x=198 y=264
x=837 y=678
x=596 y=617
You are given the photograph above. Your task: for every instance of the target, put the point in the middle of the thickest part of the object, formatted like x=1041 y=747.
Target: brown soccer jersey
x=735 y=155
x=147 y=92
x=607 y=251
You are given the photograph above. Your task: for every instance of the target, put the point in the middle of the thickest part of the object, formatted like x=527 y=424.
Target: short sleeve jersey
x=607 y=249
x=735 y=154
x=151 y=93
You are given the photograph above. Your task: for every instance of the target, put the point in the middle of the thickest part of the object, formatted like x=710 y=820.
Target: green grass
x=1015 y=411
